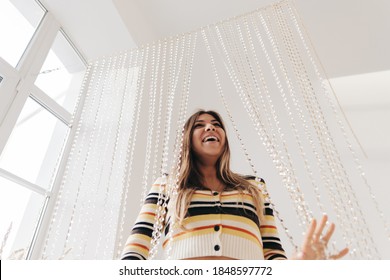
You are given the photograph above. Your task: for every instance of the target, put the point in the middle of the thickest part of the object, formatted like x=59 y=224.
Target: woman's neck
x=210 y=179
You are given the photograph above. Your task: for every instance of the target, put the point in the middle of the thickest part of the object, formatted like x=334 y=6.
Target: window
x=36 y=143
x=62 y=73
x=21 y=209
x=24 y=17
x=35 y=115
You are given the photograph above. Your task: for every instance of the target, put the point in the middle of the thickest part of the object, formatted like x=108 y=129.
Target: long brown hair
x=190 y=177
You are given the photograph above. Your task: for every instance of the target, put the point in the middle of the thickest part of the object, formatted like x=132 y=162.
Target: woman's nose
x=210 y=127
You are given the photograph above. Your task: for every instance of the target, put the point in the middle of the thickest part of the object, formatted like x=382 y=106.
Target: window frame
x=15 y=89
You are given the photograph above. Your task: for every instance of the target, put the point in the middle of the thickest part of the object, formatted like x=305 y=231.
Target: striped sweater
x=218 y=224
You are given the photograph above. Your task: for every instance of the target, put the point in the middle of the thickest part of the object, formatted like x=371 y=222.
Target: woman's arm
x=272 y=246
x=139 y=242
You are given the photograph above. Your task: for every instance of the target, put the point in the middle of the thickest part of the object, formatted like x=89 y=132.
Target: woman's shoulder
x=258 y=183
x=253 y=179
x=161 y=182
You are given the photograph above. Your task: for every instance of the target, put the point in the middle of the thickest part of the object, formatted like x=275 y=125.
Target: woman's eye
x=202 y=125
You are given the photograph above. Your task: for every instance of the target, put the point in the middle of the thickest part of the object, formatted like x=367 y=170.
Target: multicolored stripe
x=217 y=224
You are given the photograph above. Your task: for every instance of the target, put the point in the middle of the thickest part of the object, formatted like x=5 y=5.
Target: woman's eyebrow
x=204 y=121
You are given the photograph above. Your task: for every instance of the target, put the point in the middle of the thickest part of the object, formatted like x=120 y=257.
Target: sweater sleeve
x=139 y=242
x=272 y=246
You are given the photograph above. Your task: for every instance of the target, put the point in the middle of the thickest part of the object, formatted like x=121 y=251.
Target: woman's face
x=208 y=138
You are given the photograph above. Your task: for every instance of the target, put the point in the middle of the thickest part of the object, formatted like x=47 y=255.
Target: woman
x=216 y=214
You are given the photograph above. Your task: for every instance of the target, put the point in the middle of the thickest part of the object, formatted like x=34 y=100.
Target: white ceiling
x=350 y=36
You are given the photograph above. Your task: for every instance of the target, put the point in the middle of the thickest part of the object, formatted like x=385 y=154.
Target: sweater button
x=216 y=247
x=215 y=193
x=216 y=227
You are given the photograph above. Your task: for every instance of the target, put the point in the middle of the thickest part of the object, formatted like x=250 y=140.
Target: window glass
x=62 y=74
x=35 y=145
x=24 y=17
x=20 y=210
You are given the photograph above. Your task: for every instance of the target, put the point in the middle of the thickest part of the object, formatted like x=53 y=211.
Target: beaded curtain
x=264 y=71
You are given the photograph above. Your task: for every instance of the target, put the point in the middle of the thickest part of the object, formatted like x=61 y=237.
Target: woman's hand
x=314 y=245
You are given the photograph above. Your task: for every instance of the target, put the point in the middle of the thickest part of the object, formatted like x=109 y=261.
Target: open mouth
x=210 y=139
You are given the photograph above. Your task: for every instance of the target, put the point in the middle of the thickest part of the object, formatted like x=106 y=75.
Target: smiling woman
x=214 y=213
x=208 y=141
